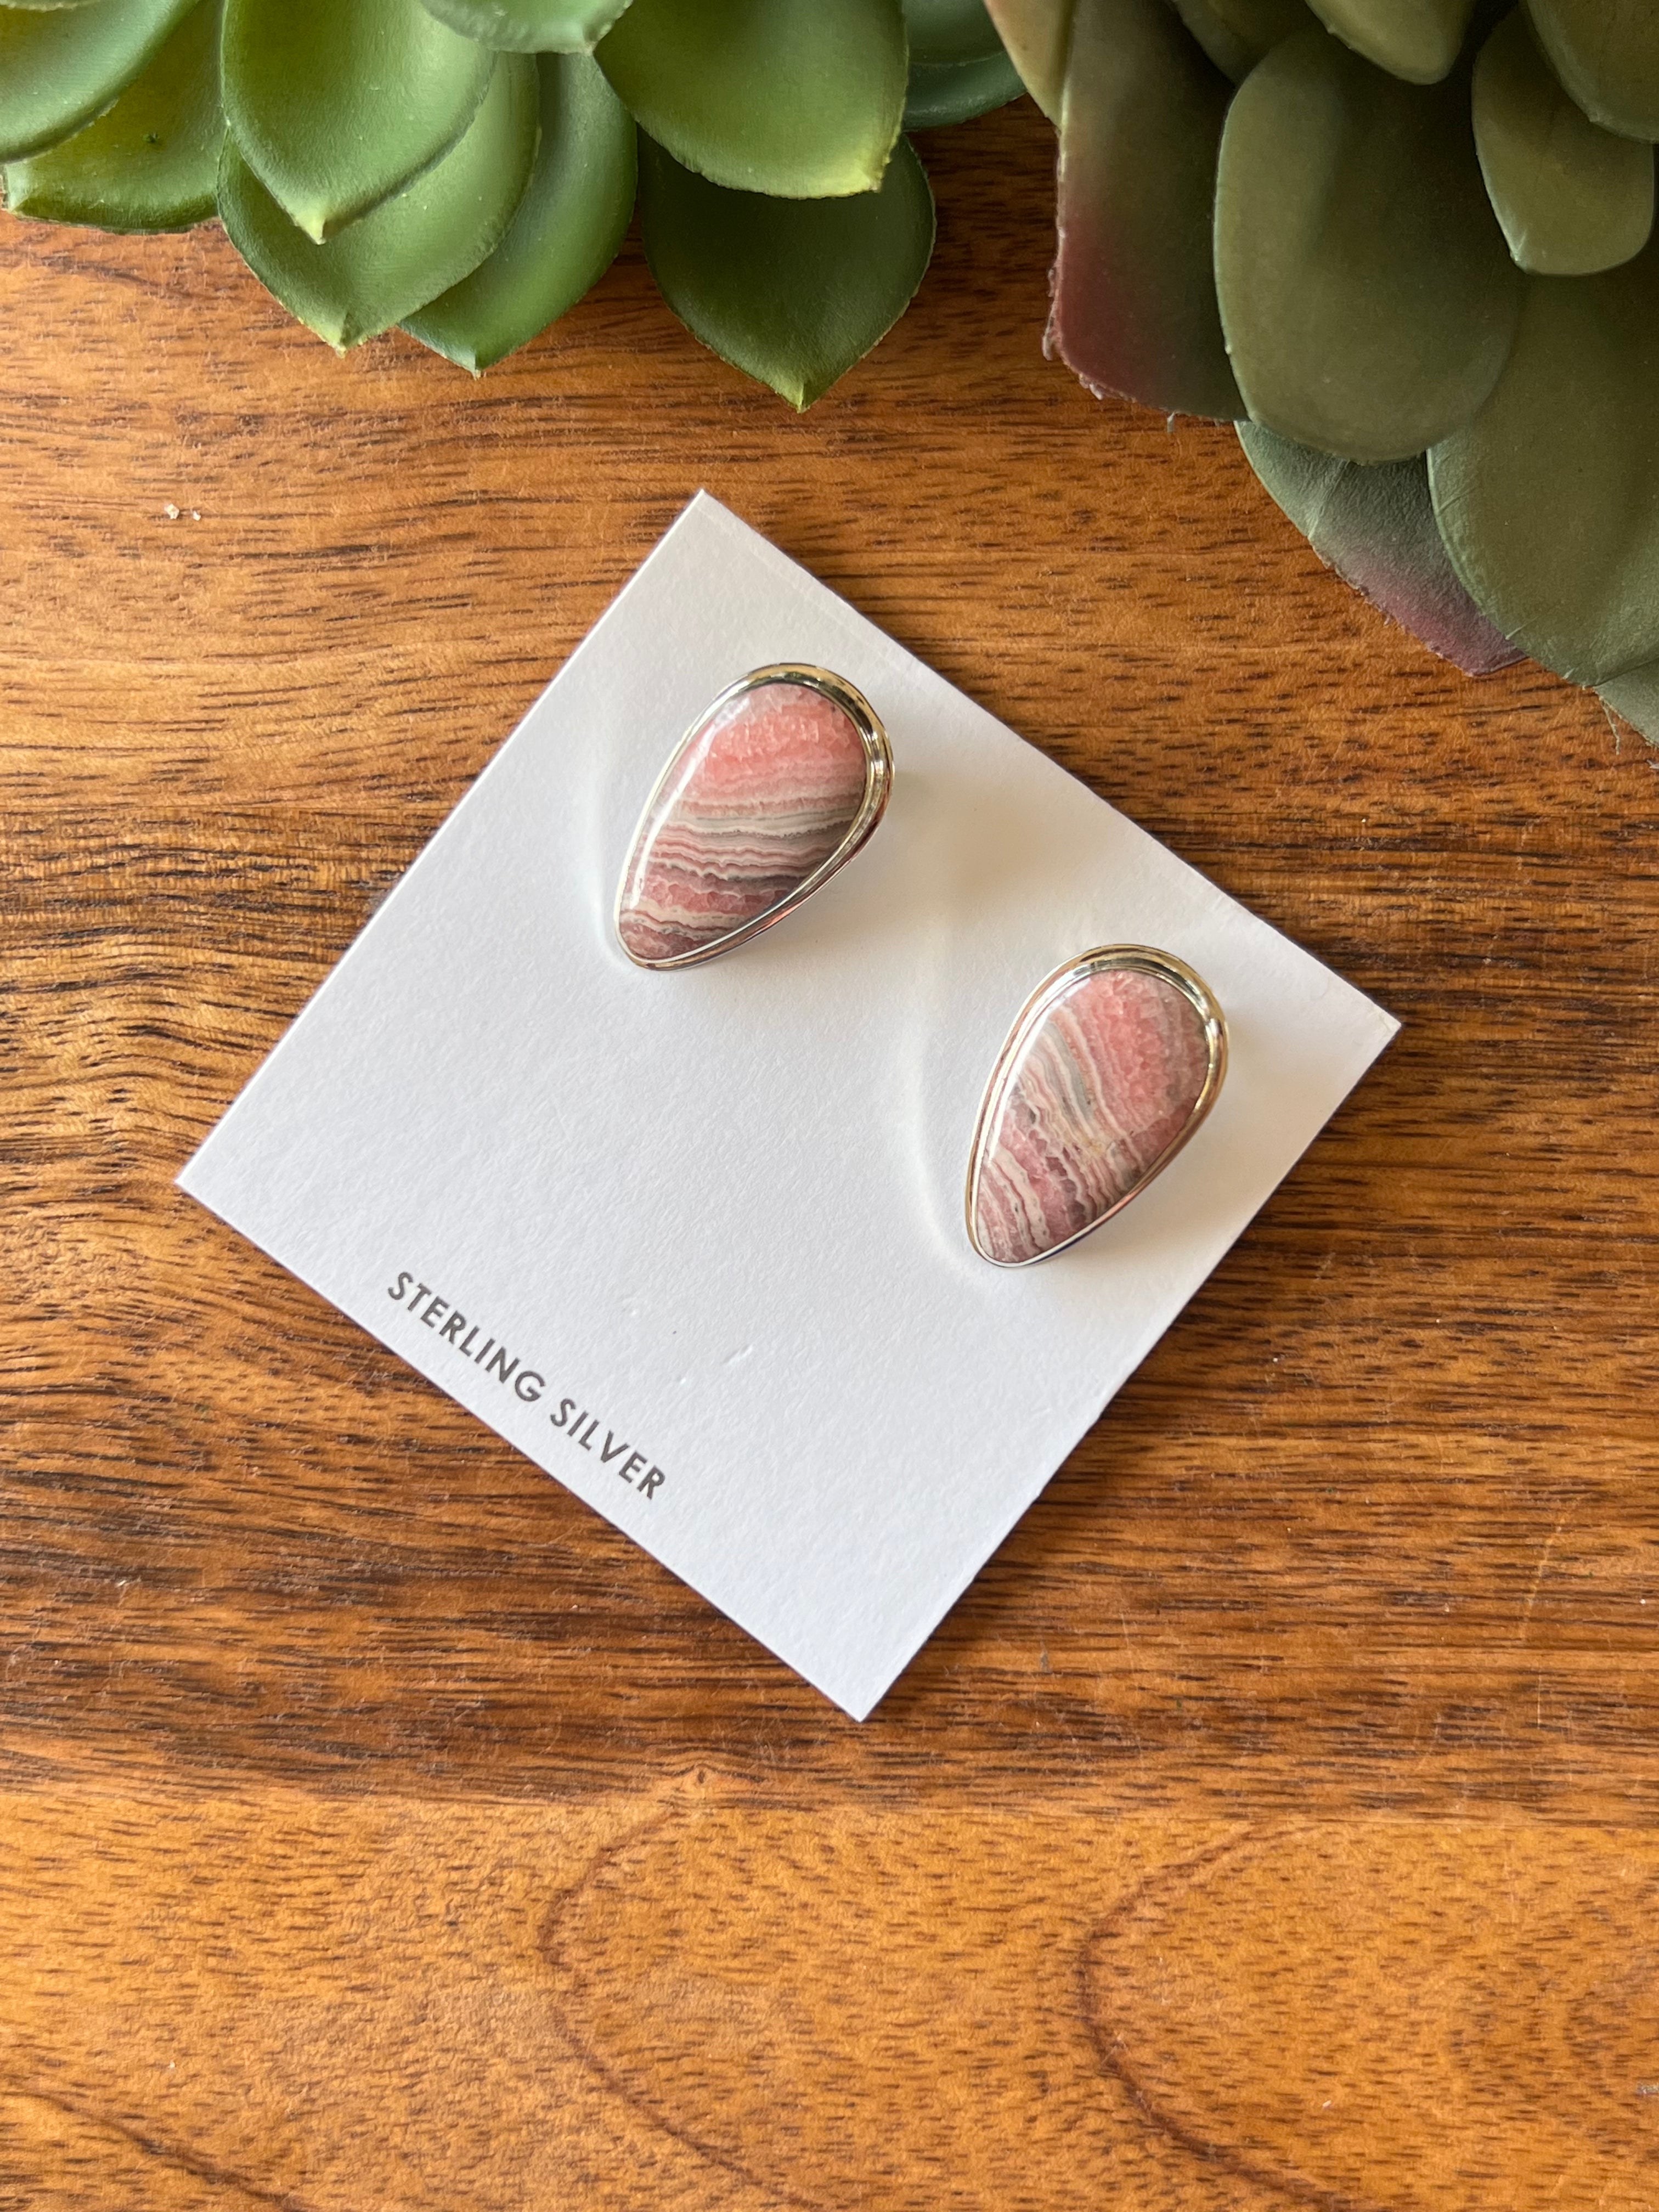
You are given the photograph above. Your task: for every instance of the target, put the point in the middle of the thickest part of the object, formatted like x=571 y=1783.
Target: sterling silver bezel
x=1142 y=959
x=877 y=787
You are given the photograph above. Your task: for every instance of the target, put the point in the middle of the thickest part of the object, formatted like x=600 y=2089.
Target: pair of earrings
x=1111 y=1064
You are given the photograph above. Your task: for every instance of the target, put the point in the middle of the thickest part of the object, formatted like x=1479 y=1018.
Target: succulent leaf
x=404 y=253
x=336 y=105
x=1606 y=52
x=1548 y=500
x=60 y=67
x=1375 y=525
x=1573 y=197
x=565 y=234
x=151 y=162
x=1366 y=292
x=1419 y=40
x=942 y=33
x=1236 y=33
x=1635 y=697
x=531 y=26
x=959 y=67
x=1134 y=302
x=799 y=98
x=1038 y=35
x=957 y=92
x=793 y=292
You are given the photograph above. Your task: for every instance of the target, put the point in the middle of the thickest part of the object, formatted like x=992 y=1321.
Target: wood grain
x=1274 y=1822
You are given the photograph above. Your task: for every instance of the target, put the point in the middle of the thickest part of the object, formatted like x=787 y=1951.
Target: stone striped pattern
x=762 y=794
x=1103 y=1087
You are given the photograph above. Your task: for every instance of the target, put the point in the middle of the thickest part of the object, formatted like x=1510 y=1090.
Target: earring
x=1111 y=1067
x=772 y=789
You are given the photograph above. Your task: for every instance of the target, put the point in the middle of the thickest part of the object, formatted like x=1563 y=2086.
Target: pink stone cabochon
x=1110 y=1077
x=761 y=792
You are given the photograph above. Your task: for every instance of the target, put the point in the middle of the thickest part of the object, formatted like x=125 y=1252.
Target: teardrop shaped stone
x=1108 y=1080
x=761 y=794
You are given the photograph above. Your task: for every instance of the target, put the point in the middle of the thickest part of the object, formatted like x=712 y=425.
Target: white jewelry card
x=694 y=1240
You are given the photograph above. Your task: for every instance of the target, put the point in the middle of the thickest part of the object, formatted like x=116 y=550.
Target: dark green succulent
x=1408 y=247
x=469 y=167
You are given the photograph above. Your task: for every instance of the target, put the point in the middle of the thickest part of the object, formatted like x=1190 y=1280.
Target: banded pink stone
x=763 y=792
x=1109 y=1078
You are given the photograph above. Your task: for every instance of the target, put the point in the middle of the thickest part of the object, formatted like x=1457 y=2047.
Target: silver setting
x=877 y=787
x=1142 y=959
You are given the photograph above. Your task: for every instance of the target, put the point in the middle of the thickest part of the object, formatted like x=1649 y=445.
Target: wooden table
x=1274 y=1822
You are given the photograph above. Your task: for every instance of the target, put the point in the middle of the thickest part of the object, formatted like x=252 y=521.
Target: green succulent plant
x=468 y=169
x=1408 y=247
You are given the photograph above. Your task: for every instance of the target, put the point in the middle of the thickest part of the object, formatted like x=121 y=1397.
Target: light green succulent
x=468 y=169
x=1408 y=247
